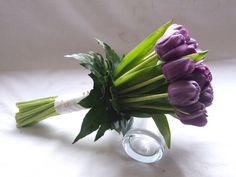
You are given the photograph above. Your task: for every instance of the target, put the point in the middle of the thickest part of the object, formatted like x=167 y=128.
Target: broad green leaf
x=111 y=55
x=90 y=100
x=142 y=49
x=163 y=126
x=197 y=56
x=91 y=121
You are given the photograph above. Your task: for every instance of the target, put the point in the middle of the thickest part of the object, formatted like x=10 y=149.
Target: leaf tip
x=98 y=40
x=75 y=56
x=204 y=52
x=76 y=139
x=170 y=21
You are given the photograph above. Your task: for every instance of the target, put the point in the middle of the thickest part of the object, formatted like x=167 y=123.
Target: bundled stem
x=33 y=111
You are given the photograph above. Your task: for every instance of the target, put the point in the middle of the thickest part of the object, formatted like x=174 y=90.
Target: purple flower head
x=206 y=96
x=201 y=75
x=193 y=111
x=183 y=92
x=199 y=121
x=175 y=43
x=178 y=68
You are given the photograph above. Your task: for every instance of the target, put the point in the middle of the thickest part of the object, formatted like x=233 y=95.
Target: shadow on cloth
x=107 y=150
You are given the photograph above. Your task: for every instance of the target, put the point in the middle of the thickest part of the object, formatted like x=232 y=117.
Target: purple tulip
x=175 y=43
x=171 y=43
x=178 y=68
x=206 y=96
x=172 y=30
x=178 y=52
x=200 y=121
x=193 y=111
x=183 y=92
x=201 y=75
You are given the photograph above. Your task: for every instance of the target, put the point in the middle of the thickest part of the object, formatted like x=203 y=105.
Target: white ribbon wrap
x=69 y=103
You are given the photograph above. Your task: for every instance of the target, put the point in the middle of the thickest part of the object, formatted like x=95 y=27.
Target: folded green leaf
x=138 y=76
x=163 y=126
x=141 y=50
x=198 y=56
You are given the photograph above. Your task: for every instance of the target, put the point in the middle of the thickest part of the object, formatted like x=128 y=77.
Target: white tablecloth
x=46 y=150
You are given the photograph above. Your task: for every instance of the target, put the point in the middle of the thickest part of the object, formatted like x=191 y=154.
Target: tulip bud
x=171 y=43
x=175 y=29
x=178 y=52
x=177 y=69
x=194 y=111
x=206 y=96
x=175 y=44
x=200 y=121
x=183 y=93
x=201 y=75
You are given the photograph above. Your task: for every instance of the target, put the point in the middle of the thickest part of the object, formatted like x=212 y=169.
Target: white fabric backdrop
x=45 y=149
x=37 y=33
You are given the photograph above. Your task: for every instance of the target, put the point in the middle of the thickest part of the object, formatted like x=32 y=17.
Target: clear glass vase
x=142 y=141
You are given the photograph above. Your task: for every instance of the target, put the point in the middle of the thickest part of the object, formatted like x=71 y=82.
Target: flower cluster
x=171 y=79
x=189 y=87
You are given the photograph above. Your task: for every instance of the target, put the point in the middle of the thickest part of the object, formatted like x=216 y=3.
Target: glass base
x=143 y=145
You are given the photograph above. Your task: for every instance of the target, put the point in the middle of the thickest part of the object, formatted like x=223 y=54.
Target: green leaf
x=91 y=121
x=141 y=50
x=111 y=55
x=198 y=56
x=93 y=62
x=95 y=94
x=163 y=126
x=102 y=129
x=89 y=101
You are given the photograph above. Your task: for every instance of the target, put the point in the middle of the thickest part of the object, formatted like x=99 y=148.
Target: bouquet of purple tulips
x=164 y=74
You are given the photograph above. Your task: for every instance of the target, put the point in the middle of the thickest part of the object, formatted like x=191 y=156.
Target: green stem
x=40 y=116
x=145 y=98
x=36 y=102
x=162 y=108
x=34 y=111
x=23 y=115
x=153 y=53
x=140 y=85
x=145 y=61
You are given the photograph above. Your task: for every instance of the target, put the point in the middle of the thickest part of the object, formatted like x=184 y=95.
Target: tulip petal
x=200 y=122
x=178 y=52
x=177 y=69
x=183 y=93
